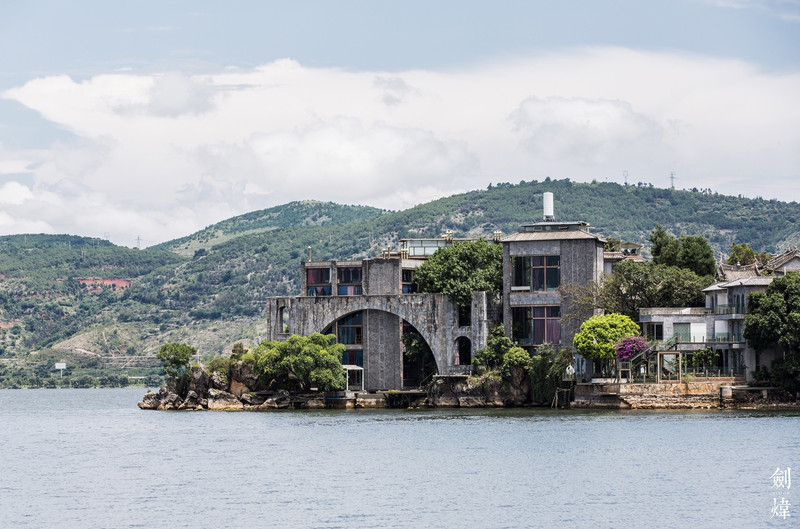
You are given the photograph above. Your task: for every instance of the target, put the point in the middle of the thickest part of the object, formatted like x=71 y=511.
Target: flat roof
x=554 y=235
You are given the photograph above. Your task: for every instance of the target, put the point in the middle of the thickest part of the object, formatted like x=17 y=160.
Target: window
x=538 y=273
x=349 y=281
x=654 y=331
x=522 y=272
x=318 y=281
x=349 y=330
x=682 y=332
x=465 y=316
x=283 y=320
x=536 y=325
x=408 y=282
x=353 y=357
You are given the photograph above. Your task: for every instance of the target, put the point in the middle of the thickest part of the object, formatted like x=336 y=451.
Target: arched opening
x=419 y=364
x=394 y=354
x=283 y=320
x=463 y=351
x=349 y=331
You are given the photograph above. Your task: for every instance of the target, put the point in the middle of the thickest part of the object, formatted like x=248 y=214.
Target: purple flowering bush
x=630 y=346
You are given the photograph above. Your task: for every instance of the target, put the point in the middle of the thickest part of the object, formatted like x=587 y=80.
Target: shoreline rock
x=240 y=390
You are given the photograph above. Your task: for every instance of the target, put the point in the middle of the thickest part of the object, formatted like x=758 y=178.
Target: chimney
x=547 y=200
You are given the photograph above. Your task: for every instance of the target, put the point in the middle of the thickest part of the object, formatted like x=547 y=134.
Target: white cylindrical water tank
x=547 y=199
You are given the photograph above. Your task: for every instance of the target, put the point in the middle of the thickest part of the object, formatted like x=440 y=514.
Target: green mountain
x=294 y=214
x=208 y=288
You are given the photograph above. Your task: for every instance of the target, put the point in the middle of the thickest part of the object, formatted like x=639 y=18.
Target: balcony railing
x=729 y=309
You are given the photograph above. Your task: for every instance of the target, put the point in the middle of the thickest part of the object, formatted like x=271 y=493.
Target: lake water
x=91 y=458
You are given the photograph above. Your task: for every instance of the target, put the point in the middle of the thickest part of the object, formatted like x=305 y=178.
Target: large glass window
x=536 y=325
x=349 y=280
x=537 y=272
x=318 y=281
x=349 y=330
x=521 y=271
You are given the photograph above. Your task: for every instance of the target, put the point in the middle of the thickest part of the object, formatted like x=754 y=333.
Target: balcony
x=728 y=309
x=668 y=311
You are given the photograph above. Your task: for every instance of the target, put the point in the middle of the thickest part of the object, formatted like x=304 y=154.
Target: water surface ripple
x=91 y=458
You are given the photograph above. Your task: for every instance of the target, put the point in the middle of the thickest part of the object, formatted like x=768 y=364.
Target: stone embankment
x=684 y=395
x=240 y=390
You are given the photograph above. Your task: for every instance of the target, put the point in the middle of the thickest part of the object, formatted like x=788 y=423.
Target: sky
x=144 y=121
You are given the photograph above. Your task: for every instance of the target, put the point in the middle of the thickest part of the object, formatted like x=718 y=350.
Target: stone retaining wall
x=690 y=395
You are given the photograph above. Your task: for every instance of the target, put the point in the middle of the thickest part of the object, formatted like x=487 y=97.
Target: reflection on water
x=90 y=458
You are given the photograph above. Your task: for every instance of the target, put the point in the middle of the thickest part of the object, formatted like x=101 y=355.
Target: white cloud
x=788 y=10
x=160 y=156
x=586 y=129
x=175 y=94
x=14 y=193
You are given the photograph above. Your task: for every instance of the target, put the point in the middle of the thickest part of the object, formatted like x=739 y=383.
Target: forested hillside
x=208 y=288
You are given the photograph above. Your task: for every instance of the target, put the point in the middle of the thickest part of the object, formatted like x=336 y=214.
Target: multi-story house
x=536 y=262
x=719 y=325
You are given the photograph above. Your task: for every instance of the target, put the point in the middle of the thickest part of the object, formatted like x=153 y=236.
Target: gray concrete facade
x=433 y=315
x=581 y=262
x=384 y=309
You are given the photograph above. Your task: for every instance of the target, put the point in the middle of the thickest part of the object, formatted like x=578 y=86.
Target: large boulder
x=243 y=374
x=218 y=381
x=222 y=400
x=199 y=381
x=238 y=388
x=192 y=401
x=252 y=399
x=316 y=404
x=171 y=402
x=150 y=401
x=279 y=400
x=471 y=401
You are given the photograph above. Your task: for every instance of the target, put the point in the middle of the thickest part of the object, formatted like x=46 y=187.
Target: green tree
x=695 y=254
x=636 y=285
x=774 y=321
x=743 y=254
x=515 y=369
x=497 y=345
x=599 y=334
x=664 y=247
x=175 y=358
x=690 y=251
x=305 y=361
x=461 y=269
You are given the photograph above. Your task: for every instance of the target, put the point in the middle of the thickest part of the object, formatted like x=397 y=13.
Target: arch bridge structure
x=434 y=316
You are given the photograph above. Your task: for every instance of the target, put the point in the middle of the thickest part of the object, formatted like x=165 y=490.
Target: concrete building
x=719 y=325
x=369 y=304
x=536 y=262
